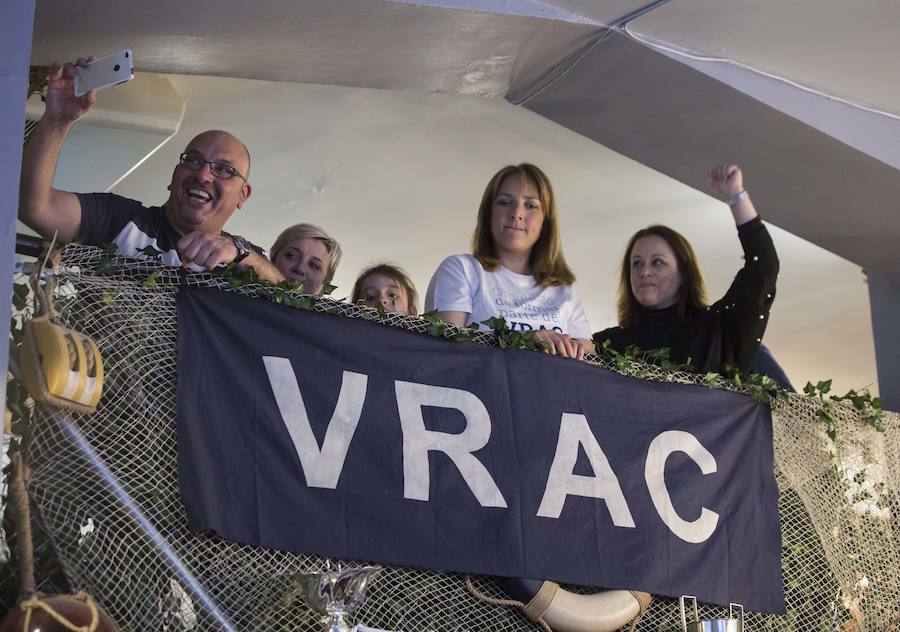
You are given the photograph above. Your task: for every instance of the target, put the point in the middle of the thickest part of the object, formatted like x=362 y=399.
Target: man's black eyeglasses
x=222 y=170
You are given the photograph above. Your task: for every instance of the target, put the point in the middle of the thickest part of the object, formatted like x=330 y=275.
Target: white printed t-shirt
x=461 y=284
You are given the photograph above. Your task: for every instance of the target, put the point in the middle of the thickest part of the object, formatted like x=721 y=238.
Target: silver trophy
x=337 y=593
x=734 y=622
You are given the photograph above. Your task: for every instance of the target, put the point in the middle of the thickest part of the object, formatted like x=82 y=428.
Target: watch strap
x=243 y=248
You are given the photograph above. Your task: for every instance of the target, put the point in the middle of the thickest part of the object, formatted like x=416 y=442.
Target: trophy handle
x=684 y=622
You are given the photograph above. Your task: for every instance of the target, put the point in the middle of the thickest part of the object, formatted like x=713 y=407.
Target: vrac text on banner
x=319 y=434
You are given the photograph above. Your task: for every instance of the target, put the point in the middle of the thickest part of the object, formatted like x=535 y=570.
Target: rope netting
x=106 y=486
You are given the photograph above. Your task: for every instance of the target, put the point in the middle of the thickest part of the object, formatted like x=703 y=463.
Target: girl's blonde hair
x=310 y=231
x=391 y=271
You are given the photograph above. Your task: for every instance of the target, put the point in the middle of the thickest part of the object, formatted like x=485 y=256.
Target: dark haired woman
x=516 y=269
x=662 y=300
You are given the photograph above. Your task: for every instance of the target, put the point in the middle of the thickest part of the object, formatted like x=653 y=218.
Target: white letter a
x=574 y=431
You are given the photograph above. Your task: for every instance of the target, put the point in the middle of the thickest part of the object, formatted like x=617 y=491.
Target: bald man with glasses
x=208 y=184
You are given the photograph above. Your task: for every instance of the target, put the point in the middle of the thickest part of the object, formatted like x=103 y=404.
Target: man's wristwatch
x=243 y=248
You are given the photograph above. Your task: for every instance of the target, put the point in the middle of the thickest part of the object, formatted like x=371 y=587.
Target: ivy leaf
x=15 y=330
x=306 y=302
x=809 y=389
x=761 y=395
x=106 y=267
x=824 y=387
x=20 y=296
x=107 y=297
x=150 y=251
x=464 y=336
x=236 y=278
x=150 y=281
x=436 y=327
x=14 y=399
x=382 y=313
x=497 y=323
x=328 y=289
x=109 y=248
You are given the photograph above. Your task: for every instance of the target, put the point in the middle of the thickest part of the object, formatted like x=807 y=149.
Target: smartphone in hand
x=104 y=72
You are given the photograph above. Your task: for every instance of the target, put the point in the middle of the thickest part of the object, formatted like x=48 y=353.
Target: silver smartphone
x=104 y=72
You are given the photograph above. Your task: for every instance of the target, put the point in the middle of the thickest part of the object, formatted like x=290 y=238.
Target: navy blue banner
x=325 y=435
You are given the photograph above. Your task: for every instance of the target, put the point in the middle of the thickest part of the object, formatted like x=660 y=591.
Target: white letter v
x=322 y=468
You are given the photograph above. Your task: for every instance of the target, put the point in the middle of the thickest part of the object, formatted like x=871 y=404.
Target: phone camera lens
x=116 y=68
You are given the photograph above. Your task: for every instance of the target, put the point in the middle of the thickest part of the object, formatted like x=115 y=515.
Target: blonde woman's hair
x=310 y=231
x=548 y=265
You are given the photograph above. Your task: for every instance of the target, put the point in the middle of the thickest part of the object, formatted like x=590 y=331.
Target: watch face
x=242 y=245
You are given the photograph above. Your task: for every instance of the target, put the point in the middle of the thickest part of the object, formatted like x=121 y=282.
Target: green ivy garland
x=632 y=360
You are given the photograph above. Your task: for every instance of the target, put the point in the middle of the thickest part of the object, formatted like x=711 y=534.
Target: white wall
x=398 y=175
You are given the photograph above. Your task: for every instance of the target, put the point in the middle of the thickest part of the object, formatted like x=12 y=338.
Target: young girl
x=387 y=285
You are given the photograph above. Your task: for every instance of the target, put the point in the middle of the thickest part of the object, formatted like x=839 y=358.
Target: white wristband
x=737 y=197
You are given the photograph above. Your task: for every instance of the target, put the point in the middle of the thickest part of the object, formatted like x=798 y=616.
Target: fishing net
x=106 y=487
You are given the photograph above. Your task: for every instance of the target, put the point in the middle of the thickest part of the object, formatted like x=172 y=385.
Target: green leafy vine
x=288 y=293
x=871 y=409
x=506 y=338
x=636 y=361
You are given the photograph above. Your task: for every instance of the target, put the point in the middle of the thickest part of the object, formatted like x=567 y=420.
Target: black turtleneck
x=727 y=332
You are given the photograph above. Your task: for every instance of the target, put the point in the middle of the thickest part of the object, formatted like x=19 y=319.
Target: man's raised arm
x=41 y=207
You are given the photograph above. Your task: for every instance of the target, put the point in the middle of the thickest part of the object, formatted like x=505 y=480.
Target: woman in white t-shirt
x=517 y=269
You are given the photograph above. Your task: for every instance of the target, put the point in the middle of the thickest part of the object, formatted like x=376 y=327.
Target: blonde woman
x=306 y=253
x=517 y=269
